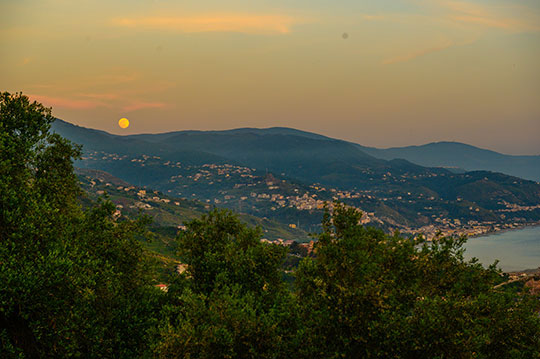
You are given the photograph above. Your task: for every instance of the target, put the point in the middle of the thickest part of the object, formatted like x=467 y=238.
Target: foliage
x=74 y=283
x=231 y=302
x=367 y=294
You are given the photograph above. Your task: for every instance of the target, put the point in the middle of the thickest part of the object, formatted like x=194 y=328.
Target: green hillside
x=460 y=155
x=286 y=175
x=168 y=213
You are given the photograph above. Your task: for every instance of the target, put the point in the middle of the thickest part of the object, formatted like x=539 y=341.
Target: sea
x=516 y=250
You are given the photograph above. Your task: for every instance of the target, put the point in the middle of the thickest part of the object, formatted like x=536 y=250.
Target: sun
x=123 y=122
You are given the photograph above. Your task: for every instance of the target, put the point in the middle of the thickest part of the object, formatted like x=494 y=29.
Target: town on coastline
x=247 y=190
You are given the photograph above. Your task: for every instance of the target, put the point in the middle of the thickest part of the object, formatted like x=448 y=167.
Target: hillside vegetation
x=286 y=175
x=455 y=156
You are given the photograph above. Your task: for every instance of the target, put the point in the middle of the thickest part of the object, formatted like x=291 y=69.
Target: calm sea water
x=516 y=250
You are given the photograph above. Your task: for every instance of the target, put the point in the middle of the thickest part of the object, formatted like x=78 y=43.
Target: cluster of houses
x=314 y=197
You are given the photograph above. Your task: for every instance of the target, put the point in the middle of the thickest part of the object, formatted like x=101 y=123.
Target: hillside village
x=297 y=205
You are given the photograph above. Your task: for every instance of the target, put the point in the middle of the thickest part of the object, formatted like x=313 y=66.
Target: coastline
x=504 y=230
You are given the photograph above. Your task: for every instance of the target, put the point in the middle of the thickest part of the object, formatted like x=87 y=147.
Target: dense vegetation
x=73 y=283
x=76 y=282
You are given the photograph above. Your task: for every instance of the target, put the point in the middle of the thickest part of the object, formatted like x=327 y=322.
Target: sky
x=377 y=72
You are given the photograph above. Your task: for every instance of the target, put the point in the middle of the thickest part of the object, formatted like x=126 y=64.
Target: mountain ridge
x=465 y=156
x=275 y=174
x=444 y=154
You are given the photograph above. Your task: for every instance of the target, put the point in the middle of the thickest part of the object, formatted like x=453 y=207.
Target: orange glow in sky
x=407 y=72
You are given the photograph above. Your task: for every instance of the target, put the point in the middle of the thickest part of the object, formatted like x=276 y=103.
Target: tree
x=74 y=282
x=231 y=302
x=368 y=294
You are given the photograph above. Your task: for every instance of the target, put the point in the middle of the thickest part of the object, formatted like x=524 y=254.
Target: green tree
x=370 y=295
x=74 y=283
x=231 y=302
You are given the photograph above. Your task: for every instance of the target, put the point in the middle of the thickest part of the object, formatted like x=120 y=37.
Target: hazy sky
x=379 y=72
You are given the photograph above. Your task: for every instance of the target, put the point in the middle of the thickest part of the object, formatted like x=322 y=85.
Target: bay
x=516 y=250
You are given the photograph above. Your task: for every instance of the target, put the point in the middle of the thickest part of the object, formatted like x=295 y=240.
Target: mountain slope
x=460 y=155
x=158 y=137
x=234 y=169
x=296 y=154
x=300 y=157
x=168 y=212
x=95 y=140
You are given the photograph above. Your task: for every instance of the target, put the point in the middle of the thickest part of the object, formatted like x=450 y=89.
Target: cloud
x=373 y=17
x=415 y=54
x=137 y=105
x=242 y=23
x=471 y=20
x=508 y=24
x=85 y=101
x=464 y=7
x=493 y=16
x=111 y=79
x=100 y=96
x=62 y=102
x=510 y=17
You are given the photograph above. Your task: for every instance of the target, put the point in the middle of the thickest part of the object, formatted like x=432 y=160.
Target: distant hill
x=460 y=155
x=296 y=154
x=232 y=168
x=168 y=212
x=258 y=147
x=95 y=140
x=260 y=131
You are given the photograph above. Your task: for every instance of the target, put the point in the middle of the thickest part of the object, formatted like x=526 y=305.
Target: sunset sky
x=381 y=73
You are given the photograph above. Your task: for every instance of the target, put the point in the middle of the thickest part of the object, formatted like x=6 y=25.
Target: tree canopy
x=368 y=294
x=74 y=282
x=231 y=302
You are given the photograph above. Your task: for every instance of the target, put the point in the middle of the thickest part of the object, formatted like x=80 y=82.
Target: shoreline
x=470 y=233
x=490 y=233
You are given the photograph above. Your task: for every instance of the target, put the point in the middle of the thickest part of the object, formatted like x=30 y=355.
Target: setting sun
x=123 y=123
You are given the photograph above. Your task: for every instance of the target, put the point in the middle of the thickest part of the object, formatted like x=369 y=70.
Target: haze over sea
x=515 y=250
